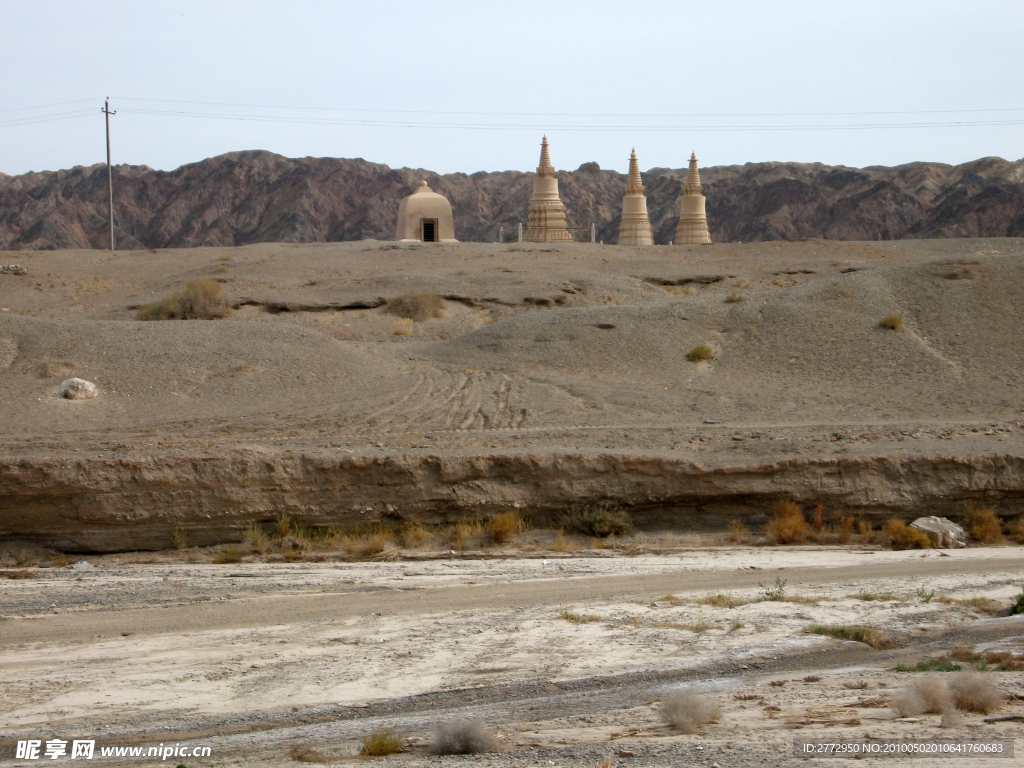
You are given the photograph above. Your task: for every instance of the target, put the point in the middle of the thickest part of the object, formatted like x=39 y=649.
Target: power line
x=45 y=106
x=577 y=127
x=583 y=114
x=46 y=118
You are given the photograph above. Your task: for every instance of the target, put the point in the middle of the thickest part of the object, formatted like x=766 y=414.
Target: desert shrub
x=461 y=532
x=303 y=753
x=737 y=531
x=721 y=600
x=928 y=694
x=257 y=539
x=577 y=618
x=892 y=322
x=504 y=526
x=198 y=300
x=367 y=544
x=1016 y=530
x=231 y=554
x=402 y=327
x=775 y=592
x=600 y=520
x=382 y=742
x=461 y=737
x=971 y=692
x=787 y=525
x=844 y=529
x=735 y=298
x=856 y=633
x=899 y=535
x=1018 y=605
x=983 y=525
x=417 y=306
x=700 y=352
x=686 y=710
x=179 y=537
x=561 y=544
x=19 y=575
x=414 y=536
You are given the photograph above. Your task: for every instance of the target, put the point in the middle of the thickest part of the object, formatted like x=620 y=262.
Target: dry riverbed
x=565 y=654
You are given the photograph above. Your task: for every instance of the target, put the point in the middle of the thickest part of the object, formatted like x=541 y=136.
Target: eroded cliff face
x=105 y=504
x=255 y=196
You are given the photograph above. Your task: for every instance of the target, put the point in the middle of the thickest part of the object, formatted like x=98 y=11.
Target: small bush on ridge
x=417 y=306
x=600 y=520
x=787 y=525
x=504 y=526
x=899 y=535
x=461 y=737
x=892 y=322
x=198 y=300
x=686 y=710
x=382 y=742
x=700 y=352
x=983 y=525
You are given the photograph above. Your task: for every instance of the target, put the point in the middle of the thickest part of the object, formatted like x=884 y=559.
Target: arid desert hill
x=254 y=196
x=556 y=375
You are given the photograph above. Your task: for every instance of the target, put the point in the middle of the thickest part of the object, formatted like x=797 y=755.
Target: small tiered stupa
x=693 y=221
x=635 y=228
x=426 y=217
x=547 y=214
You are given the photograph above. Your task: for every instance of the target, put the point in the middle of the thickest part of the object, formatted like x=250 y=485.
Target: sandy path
x=310 y=607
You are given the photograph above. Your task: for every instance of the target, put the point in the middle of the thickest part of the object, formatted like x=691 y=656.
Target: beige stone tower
x=547 y=214
x=693 y=221
x=635 y=228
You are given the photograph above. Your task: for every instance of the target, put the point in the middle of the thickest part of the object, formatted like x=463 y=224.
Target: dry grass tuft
x=231 y=554
x=721 y=601
x=417 y=306
x=686 y=710
x=928 y=694
x=971 y=692
x=856 y=633
x=983 y=525
x=1016 y=530
x=382 y=742
x=198 y=300
x=892 y=322
x=14 y=575
x=402 y=327
x=699 y=353
x=414 y=536
x=504 y=526
x=461 y=737
x=578 y=618
x=257 y=539
x=856 y=685
x=735 y=298
x=738 y=532
x=368 y=544
x=812 y=679
x=303 y=753
x=787 y=525
x=899 y=535
x=461 y=532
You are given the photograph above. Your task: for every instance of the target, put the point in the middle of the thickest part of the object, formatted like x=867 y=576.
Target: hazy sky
x=469 y=86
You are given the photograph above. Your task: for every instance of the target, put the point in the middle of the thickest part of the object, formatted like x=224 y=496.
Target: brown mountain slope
x=256 y=196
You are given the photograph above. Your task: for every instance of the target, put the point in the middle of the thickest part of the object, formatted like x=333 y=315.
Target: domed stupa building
x=425 y=217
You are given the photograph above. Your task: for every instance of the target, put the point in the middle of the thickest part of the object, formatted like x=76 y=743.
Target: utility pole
x=110 y=175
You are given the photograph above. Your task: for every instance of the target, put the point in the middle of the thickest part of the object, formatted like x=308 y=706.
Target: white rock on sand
x=78 y=389
x=943 y=533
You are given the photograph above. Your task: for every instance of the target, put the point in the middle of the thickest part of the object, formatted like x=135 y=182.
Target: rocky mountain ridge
x=257 y=196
